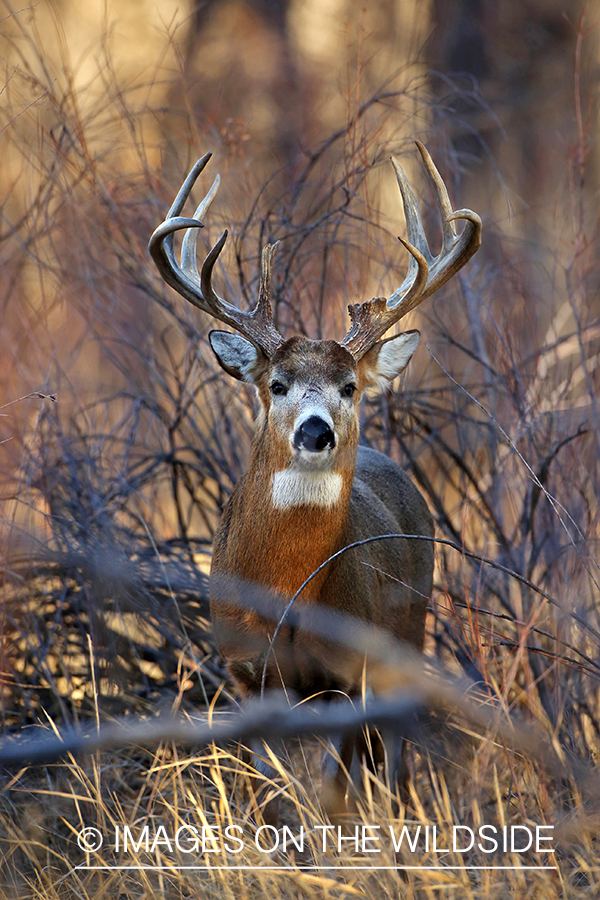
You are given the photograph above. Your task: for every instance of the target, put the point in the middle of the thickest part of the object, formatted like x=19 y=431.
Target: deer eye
x=278 y=389
x=348 y=390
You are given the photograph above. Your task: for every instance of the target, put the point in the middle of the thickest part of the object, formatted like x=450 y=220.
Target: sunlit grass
x=123 y=442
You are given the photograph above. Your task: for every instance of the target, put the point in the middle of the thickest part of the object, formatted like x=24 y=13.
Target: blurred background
x=120 y=438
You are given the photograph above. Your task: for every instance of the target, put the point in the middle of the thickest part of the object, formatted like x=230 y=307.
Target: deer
x=311 y=488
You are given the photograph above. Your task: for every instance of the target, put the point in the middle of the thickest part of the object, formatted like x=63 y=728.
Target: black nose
x=315 y=435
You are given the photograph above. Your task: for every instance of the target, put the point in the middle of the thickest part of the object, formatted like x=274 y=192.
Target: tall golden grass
x=122 y=442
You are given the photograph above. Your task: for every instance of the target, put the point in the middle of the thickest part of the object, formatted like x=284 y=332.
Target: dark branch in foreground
x=408 y=680
x=269 y=717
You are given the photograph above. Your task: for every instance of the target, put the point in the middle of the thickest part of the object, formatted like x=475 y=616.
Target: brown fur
x=385 y=583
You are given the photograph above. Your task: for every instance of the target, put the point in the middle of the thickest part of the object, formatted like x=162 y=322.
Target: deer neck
x=290 y=521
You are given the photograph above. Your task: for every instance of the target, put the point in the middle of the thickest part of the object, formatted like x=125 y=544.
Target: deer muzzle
x=315 y=435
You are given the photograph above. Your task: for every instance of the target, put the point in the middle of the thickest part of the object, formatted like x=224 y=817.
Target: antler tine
x=257 y=324
x=457 y=249
x=266 y=269
x=426 y=273
x=188 y=245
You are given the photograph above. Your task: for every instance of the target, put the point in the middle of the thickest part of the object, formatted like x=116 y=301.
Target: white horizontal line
x=308 y=868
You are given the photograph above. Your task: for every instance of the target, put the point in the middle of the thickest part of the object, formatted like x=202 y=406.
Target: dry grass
x=167 y=789
x=126 y=442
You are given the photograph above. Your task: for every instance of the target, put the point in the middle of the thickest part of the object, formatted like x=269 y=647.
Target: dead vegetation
x=122 y=442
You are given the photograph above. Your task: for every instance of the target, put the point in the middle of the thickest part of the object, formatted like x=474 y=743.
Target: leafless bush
x=129 y=442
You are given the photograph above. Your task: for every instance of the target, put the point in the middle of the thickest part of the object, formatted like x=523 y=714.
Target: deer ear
x=387 y=359
x=238 y=356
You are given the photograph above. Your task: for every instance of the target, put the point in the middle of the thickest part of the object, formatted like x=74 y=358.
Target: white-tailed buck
x=310 y=489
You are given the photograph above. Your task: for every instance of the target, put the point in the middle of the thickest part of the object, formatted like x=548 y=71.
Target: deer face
x=310 y=394
x=310 y=391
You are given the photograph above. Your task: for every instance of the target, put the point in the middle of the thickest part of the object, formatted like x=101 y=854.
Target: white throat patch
x=296 y=488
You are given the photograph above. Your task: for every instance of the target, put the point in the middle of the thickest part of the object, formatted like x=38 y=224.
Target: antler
x=257 y=324
x=426 y=273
